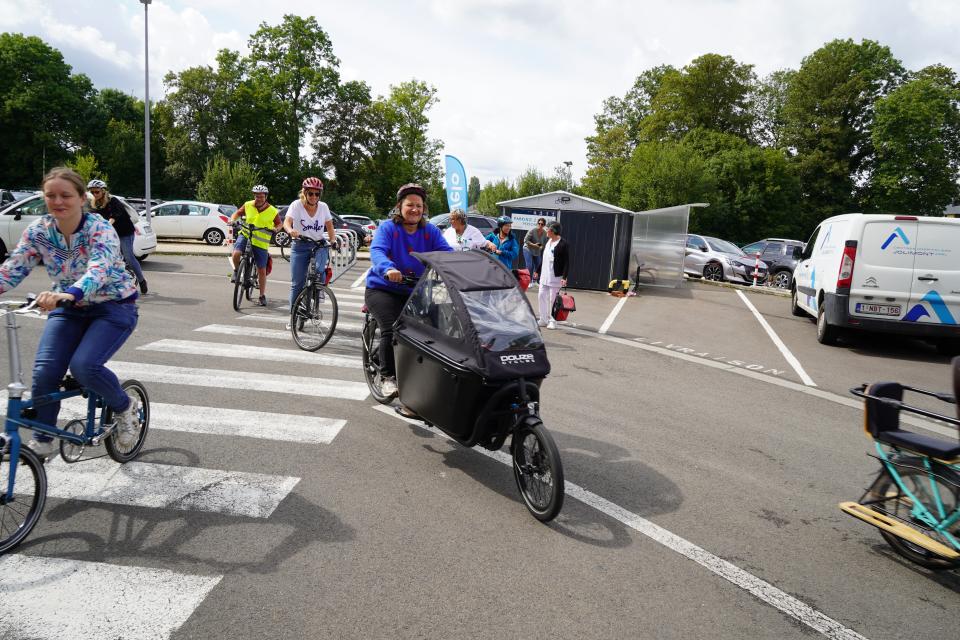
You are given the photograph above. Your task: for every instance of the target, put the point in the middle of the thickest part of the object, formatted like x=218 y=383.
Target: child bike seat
x=883 y=421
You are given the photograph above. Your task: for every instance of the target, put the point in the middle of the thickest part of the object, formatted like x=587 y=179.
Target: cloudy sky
x=518 y=80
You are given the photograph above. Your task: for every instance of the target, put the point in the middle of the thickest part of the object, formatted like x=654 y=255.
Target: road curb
x=765 y=290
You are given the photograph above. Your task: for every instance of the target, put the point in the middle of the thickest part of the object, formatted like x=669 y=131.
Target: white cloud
x=518 y=80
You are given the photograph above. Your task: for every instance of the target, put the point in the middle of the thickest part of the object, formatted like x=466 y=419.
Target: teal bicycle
x=915 y=499
x=23 y=479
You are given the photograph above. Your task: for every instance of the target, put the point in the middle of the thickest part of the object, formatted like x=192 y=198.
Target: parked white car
x=190 y=219
x=18 y=216
x=884 y=273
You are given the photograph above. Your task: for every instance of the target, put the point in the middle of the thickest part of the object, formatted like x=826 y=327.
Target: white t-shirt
x=313 y=227
x=547 y=278
x=472 y=238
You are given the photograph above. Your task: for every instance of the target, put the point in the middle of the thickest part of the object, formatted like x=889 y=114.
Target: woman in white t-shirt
x=462 y=236
x=307 y=217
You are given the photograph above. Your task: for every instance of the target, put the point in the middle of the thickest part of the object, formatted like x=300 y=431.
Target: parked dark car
x=781 y=255
x=363 y=233
x=485 y=224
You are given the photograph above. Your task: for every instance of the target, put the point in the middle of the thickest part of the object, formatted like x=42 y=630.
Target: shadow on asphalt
x=158 y=299
x=876 y=345
x=600 y=467
x=217 y=542
x=161 y=267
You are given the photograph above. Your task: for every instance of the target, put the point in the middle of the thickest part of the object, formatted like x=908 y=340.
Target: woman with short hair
x=116 y=213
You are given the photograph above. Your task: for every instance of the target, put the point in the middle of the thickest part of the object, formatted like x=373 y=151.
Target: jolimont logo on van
x=936 y=303
x=893 y=236
x=518 y=358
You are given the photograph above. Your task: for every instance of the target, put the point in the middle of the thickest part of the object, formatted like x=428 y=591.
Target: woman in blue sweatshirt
x=404 y=233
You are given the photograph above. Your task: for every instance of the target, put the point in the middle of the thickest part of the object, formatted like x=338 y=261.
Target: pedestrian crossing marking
x=347 y=326
x=226 y=379
x=270 y=334
x=164 y=486
x=219 y=349
x=42 y=599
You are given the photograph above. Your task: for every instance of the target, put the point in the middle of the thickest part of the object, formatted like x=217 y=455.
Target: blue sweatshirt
x=509 y=249
x=391 y=249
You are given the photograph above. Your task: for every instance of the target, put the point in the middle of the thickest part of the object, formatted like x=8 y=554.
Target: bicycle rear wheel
x=313 y=318
x=117 y=451
x=370 y=356
x=19 y=515
x=239 y=277
x=537 y=469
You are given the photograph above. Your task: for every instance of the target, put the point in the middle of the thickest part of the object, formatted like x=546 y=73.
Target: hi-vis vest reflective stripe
x=256 y=218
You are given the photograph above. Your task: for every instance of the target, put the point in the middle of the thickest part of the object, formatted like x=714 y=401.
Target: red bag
x=269 y=264
x=523 y=278
x=563 y=304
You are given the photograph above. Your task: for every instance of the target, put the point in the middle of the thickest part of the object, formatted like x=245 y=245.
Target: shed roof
x=562 y=200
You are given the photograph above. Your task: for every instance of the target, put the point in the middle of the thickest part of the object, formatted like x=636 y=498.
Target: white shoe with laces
x=552 y=325
x=388 y=387
x=128 y=423
x=43 y=449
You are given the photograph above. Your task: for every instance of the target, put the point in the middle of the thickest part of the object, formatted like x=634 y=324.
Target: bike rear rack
x=893 y=525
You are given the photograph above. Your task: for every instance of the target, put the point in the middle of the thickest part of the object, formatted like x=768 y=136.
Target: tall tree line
x=850 y=130
x=258 y=109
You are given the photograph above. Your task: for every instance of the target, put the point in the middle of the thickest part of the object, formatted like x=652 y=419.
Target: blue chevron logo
x=893 y=236
x=936 y=303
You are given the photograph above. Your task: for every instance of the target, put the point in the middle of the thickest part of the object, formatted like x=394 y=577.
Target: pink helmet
x=312 y=183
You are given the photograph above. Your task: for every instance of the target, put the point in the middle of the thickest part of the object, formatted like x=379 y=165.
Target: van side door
x=935 y=289
x=803 y=276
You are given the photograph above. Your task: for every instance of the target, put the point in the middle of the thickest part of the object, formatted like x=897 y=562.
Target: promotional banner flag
x=456 y=184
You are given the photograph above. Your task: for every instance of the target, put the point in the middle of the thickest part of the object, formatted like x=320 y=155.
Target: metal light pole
x=146 y=106
x=569 y=176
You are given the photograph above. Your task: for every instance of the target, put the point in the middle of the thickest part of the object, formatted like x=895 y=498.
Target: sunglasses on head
x=313 y=193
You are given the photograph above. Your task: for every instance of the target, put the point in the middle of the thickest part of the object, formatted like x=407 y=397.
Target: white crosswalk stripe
x=223 y=379
x=270 y=334
x=266 y=354
x=164 y=486
x=60 y=599
x=341 y=325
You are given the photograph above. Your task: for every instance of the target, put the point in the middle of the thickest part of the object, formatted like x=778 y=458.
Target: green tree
x=916 y=134
x=713 y=92
x=473 y=191
x=43 y=107
x=493 y=193
x=665 y=174
x=828 y=116
x=87 y=166
x=769 y=121
x=226 y=181
x=342 y=137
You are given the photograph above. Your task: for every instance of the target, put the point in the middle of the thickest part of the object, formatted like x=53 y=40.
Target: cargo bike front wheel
x=537 y=469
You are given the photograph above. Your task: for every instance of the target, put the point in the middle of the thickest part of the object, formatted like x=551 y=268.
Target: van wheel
x=826 y=332
x=794 y=307
x=713 y=271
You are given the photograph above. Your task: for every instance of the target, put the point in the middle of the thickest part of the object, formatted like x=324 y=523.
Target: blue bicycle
x=23 y=480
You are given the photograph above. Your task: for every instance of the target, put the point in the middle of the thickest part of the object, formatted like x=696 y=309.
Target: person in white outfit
x=553 y=273
x=462 y=236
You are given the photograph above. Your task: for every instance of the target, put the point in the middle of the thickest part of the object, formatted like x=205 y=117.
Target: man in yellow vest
x=264 y=216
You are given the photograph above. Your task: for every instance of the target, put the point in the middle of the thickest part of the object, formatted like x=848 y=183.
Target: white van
x=885 y=273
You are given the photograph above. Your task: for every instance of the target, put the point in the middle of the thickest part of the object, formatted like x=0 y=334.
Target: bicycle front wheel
x=239 y=277
x=19 y=514
x=537 y=469
x=313 y=318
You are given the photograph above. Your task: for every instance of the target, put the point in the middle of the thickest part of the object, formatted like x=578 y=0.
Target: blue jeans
x=126 y=247
x=299 y=262
x=533 y=261
x=83 y=339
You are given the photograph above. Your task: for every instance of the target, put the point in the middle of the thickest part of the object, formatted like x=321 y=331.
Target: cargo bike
x=470 y=361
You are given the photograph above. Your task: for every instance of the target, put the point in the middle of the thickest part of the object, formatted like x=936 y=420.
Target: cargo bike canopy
x=468 y=310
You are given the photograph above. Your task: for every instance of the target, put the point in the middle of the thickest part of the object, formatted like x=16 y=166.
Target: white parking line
x=791 y=359
x=757 y=587
x=356 y=283
x=613 y=315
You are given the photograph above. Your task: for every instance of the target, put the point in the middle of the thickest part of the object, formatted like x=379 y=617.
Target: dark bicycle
x=469 y=361
x=313 y=316
x=245 y=275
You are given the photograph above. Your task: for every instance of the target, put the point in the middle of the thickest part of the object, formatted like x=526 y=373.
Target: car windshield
x=722 y=246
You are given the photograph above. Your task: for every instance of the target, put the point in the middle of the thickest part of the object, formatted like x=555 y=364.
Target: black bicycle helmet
x=411 y=188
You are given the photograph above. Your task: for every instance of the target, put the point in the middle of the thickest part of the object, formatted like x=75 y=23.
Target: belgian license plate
x=878 y=309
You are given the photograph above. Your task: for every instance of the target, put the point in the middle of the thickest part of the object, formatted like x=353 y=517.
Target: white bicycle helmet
x=260 y=189
x=96 y=184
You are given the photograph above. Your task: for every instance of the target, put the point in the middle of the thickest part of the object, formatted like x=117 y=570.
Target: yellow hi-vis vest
x=256 y=218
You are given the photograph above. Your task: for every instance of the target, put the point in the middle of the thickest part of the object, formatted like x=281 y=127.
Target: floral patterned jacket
x=91 y=268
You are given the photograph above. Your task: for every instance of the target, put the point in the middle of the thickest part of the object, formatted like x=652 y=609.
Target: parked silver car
x=716 y=259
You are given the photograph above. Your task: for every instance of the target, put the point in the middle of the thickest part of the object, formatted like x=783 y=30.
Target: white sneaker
x=287 y=326
x=540 y=323
x=128 y=423
x=43 y=449
x=388 y=387
x=551 y=325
